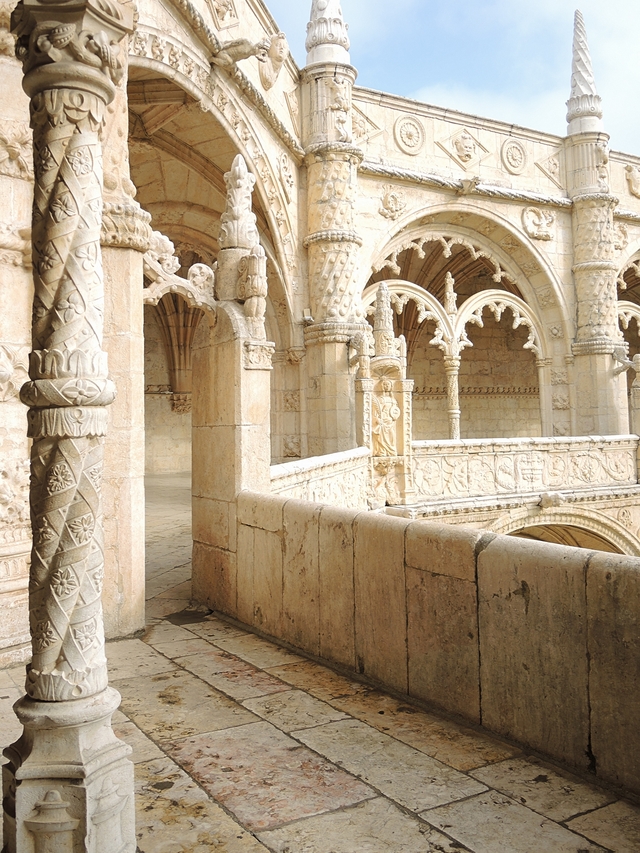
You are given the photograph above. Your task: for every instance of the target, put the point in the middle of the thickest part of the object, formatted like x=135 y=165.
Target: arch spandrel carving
x=504 y=244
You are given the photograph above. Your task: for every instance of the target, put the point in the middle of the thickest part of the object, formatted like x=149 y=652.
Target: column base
x=68 y=786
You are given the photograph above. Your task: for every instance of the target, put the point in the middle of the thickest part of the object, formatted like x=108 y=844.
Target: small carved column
x=232 y=399
x=600 y=394
x=452 y=370
x=71 y=65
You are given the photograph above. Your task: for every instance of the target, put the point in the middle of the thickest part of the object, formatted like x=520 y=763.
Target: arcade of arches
x=318 y=299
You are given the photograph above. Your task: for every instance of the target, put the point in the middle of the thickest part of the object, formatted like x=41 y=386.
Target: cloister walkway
x=241 y=746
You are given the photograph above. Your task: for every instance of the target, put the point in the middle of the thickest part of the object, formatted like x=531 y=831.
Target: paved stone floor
x=241 y=746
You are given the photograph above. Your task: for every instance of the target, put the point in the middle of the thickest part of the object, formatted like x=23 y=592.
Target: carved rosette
x=71 y=67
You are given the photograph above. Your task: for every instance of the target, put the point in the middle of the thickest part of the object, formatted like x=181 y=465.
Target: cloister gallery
x=396 y=345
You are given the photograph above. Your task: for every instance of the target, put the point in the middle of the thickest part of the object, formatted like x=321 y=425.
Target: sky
x=503 y=59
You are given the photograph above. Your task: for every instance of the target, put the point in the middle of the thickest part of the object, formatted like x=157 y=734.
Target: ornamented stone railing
x=339 y=479
x=481 y=467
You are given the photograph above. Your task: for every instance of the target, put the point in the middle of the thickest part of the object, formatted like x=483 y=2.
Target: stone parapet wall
x=536 y=642
x=339 y=479
x=475 y=468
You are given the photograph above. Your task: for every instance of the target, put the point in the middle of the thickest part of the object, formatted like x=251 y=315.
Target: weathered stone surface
x=336 y=544
x=300 y=576
x=403 y=774
x=616 y=827
x=380 y=598
x=293 y=710
x=613 y=601
x=442 y=640
x=533 y=646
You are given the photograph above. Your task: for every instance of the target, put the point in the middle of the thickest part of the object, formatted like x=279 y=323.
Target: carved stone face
x=279 y=49
x=386 y=385
x=465 y=147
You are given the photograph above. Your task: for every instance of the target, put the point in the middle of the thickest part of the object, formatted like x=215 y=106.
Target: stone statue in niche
x=465 y=147
x=385 y=414
x=275 y=59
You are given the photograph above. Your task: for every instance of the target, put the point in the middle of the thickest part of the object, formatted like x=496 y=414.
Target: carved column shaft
x=452 y=370
x=71 y=64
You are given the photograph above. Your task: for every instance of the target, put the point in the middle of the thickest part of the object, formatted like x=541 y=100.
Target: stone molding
x=332 y=237
x=14 y=366
x=125 y=225
x=15 y=245
x=332 y=333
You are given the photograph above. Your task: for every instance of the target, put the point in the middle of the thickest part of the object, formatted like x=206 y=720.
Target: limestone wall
x=536 y=642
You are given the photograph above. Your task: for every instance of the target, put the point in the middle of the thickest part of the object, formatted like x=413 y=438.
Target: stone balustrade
x=536 y=642
x=339 y=479
x=484 y=467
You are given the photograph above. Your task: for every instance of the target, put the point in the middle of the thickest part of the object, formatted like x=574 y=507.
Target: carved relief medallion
x=409 y=135
x=538 y=223
x=514 y=156
x=464 y=148
x=392 y=203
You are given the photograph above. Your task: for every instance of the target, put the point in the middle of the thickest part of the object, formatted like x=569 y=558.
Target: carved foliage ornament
x=538 y=223
x=393 y=203
x=16 y=150
x=514 y=156
x=13 y=370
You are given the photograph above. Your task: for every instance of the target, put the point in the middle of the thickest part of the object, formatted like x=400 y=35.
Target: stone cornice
x=376 y=170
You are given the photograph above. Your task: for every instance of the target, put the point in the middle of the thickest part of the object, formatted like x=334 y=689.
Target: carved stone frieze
x=393 y=203
x=258 y=356
x=341 y=481
x=14 y=364
x=16 y=151
x=181 y=403
x=538 y=223
x=15 y=245
x=538 y=465
x=125 y=225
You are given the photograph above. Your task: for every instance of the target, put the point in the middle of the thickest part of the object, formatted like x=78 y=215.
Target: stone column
x=452 y=370
x=232 y=363
x=336 y=315
x=68 y=756
x=600 y=393
x=125 y=236
x=16 y=296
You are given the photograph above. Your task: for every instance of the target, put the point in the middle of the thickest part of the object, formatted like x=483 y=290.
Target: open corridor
x=241 y=746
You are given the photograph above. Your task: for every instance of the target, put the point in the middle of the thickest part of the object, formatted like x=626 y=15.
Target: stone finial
x=585 y=105
x=327 y=34
x=238 y=229
x=385 y=341
x=450 y=297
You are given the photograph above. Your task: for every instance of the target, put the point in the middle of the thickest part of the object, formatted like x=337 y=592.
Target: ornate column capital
x=72 y=45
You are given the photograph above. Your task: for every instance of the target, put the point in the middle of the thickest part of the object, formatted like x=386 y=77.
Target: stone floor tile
x=543 y=789
x=132 y=659
x=6 y=679
x=293 y=710
x=177 y=704
x=616 y=826
x=159 y=608
x=493 y=823
x=453 y=744
x=183 y=648
x=174 y=815
x=214 y=629
x=10 y=728
x=165 y=632
x=144 y=749
x=319 y=681
x=230 y=675
x=182 y=590
x=264 y=777
x=257 y=651
x=376 y=826
x=403 y=774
